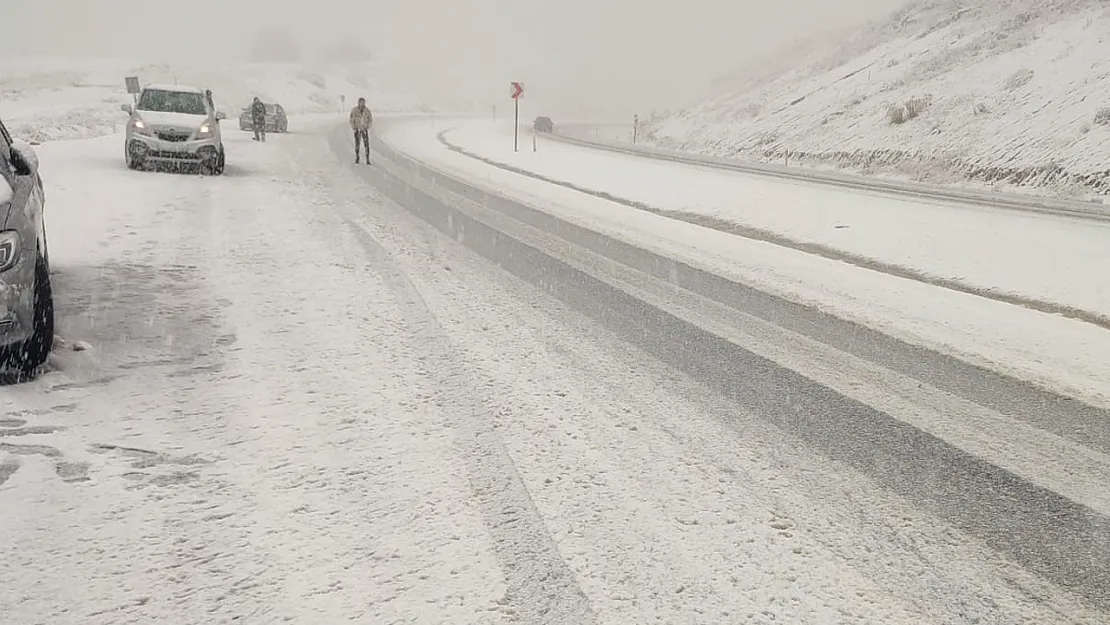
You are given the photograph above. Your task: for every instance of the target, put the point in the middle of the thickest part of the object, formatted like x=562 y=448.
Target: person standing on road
x=258 y=119
x=361 y=120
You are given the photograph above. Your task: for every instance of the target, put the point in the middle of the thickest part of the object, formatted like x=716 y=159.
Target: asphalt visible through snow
x=306 y=403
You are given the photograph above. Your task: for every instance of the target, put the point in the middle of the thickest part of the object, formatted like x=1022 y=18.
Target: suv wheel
x=213 y=165
x=34 y=351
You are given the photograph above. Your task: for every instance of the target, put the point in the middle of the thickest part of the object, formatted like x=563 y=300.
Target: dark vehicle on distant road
x=276 y=120
x=26 y=299
x=543 y=124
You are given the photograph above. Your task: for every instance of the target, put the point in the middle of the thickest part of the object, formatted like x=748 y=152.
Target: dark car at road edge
x=543 y=124
x=276 y=119
x=26 y=297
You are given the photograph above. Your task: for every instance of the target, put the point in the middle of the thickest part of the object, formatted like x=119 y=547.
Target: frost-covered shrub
x=892 y=85
x=917 y=106
x=902 y=113
x=896 y=114
x=1018 y=79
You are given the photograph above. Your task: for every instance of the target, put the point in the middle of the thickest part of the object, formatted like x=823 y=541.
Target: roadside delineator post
x=516 y=90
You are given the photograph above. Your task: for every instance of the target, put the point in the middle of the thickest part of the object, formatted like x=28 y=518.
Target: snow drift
x=1007 y=93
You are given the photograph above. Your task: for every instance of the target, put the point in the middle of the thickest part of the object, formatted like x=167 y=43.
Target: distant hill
x=1003 y=92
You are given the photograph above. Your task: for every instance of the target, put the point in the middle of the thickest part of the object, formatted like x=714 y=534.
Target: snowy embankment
x=1026 y=256
x=1012 y=95
x=47 y=99
x=1058 y=260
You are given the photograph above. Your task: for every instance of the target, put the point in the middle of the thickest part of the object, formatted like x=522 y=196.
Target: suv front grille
x=173 y=136
x=174 y=156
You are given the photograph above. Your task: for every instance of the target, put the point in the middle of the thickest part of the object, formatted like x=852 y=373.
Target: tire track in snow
x=541 y=587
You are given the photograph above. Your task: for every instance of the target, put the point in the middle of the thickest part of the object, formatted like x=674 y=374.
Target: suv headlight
x=140 y=126
x=10 y=245
x=206 y=131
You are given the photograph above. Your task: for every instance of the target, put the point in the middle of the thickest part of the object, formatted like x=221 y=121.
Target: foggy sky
x=623 y=52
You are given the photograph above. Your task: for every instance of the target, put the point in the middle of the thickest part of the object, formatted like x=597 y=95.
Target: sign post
x=133 y=88
x=516 y=90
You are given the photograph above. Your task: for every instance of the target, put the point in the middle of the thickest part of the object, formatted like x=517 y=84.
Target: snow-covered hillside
x=47 y=99
x=1005 y=92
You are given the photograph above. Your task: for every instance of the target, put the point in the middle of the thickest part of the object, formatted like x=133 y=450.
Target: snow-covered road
x=302 y=404
x=779 y=256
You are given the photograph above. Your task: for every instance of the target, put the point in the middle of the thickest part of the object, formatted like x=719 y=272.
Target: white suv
x=174 y=125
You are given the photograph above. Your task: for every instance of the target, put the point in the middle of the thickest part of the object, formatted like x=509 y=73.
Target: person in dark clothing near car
x=258 y=119
x=361 y=120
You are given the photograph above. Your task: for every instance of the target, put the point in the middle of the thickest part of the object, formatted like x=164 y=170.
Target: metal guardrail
x=1069 y=208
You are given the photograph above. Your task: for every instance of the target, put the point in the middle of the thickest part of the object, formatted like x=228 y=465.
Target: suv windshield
x=173 y=102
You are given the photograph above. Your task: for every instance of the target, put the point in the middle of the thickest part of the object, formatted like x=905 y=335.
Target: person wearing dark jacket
x=258 y=119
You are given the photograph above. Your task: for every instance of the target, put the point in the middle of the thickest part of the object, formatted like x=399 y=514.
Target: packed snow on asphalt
x=279 y=397
x=986 y=284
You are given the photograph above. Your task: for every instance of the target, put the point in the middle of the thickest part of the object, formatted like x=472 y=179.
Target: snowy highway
x=954 y=278
x=310 y=391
